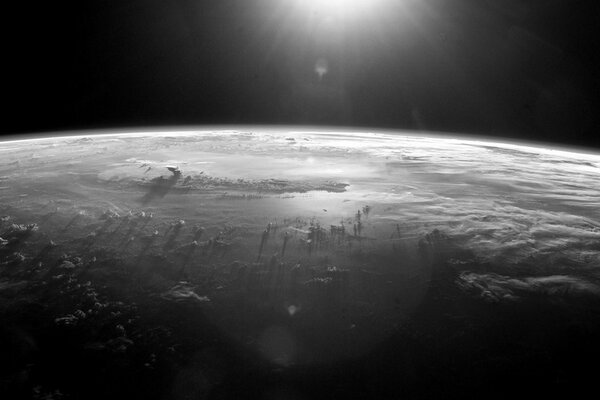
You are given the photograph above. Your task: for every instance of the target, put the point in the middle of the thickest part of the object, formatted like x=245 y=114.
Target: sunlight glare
x=338 y=7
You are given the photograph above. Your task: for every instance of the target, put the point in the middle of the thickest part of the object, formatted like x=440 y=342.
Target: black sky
x=518 y=68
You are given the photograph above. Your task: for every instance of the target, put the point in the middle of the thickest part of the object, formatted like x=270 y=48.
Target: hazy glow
x=337 y=4
x=338 y=8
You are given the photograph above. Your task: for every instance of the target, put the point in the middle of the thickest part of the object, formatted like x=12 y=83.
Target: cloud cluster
x=496 y=288
x=520 y=209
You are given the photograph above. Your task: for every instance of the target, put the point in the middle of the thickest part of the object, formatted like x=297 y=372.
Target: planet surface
x=295 y=264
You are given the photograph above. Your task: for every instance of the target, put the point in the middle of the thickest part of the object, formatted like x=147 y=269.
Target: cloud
x=496 y=288
x=514 y=207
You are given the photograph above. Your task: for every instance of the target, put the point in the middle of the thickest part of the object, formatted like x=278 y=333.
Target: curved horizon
x=312 y=129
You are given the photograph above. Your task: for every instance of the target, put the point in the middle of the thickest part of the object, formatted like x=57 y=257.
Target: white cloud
x=495 y=288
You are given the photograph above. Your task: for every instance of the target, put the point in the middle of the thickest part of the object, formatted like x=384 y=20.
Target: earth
x=295 y=264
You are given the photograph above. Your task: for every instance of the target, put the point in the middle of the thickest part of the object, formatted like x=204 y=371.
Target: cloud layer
x=521 y=210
